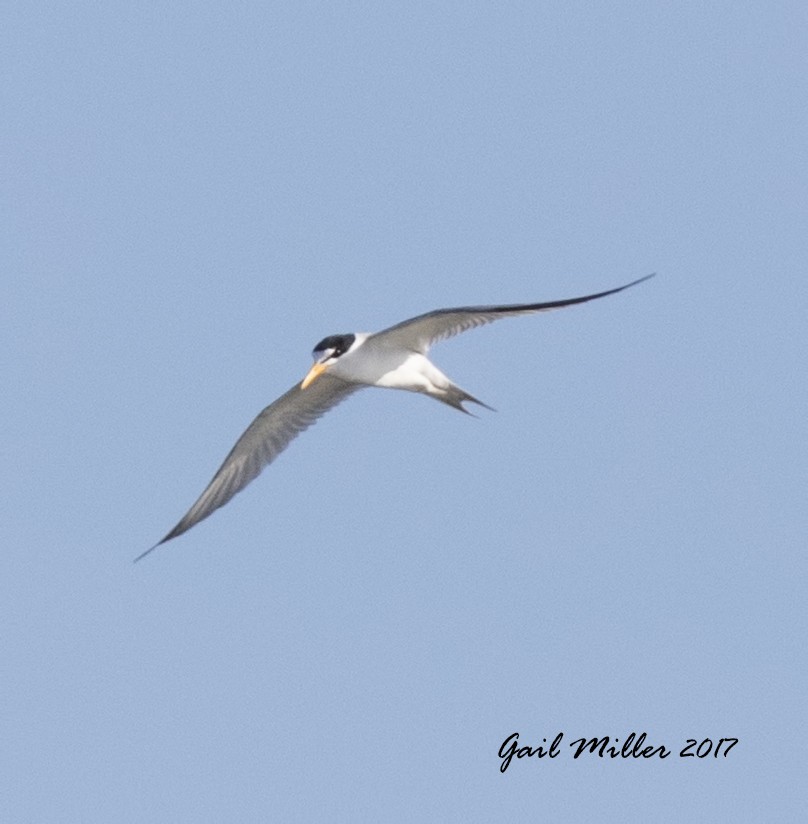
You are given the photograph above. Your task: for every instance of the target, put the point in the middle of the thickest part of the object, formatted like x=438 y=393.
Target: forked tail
x=454 y=396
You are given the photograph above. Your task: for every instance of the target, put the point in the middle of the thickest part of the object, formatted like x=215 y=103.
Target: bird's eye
x=332 y=347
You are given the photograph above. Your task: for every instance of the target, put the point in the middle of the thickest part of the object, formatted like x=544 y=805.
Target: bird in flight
x=394 y=358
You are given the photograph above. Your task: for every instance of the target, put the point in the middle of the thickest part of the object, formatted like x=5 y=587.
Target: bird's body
x=394 y=358
x=373 y=362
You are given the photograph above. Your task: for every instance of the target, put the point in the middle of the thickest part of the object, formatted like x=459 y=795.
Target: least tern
x=394 y=358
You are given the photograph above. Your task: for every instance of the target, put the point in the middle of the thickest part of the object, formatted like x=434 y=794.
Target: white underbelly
x=393 y=370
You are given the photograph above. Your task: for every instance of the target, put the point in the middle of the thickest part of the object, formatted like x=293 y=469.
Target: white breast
x=376 y=365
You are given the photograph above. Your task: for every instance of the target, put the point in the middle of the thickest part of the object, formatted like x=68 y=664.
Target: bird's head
x=326 y=353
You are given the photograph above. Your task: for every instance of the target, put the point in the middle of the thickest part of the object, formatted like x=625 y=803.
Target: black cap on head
x=336 y=344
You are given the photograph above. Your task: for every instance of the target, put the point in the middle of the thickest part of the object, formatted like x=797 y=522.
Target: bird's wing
x=263 y=440
x=419 y=333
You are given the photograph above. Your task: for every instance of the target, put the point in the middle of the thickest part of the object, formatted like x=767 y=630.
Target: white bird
x=394 y=358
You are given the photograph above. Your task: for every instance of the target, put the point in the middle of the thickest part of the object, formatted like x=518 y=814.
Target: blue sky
x=192 y=197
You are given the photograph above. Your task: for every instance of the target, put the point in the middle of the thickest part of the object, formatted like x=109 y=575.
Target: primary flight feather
x=394 y=358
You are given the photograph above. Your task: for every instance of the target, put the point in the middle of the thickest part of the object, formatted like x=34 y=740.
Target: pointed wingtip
x=144 y=554
x=640 y=280
x=151 y=549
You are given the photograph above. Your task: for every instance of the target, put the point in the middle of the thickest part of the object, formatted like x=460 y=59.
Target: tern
x=394 y=358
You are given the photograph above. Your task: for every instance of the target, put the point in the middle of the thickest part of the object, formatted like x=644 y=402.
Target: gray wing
x=419 y=333
x=263 y=440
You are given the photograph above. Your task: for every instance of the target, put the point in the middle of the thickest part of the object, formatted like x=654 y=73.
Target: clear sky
x=193 y=195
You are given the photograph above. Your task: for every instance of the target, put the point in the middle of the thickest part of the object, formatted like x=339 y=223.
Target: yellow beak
x=313 y=374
